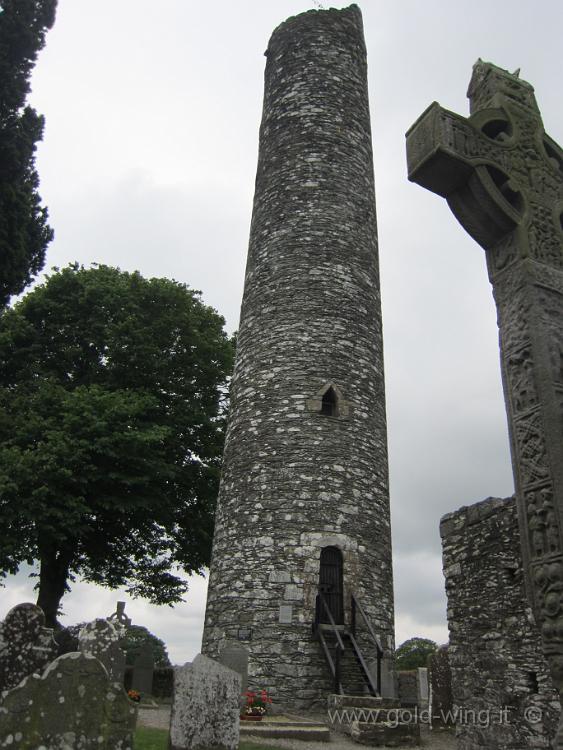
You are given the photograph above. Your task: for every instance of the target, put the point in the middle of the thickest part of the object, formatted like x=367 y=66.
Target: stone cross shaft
x=503 y=179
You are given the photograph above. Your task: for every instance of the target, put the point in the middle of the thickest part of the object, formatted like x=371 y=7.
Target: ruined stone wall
x=296 y=480
x=495 y=648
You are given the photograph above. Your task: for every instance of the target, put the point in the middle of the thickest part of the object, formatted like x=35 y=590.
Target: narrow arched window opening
x=329 y=405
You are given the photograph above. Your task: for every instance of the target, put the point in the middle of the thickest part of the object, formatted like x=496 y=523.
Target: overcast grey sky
x=148 y=162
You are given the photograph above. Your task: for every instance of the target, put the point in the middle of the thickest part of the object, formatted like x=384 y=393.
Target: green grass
x=147 y=738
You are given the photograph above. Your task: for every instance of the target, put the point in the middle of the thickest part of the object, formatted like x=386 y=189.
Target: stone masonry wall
x=495 y=650
x=294 y=479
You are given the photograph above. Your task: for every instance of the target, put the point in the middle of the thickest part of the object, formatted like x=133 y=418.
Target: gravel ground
x=159 y=718
x=436 y=740
x=431 y=740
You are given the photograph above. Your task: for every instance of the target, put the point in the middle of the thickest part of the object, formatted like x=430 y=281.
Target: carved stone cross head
x=501 y=174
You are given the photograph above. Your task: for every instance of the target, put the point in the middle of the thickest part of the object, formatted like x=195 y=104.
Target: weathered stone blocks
x=501 y=688
x=385 y=734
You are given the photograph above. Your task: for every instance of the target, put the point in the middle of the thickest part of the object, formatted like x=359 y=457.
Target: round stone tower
x=303 y=507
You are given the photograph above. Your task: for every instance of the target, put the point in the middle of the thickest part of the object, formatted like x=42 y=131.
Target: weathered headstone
x=205 y=706
x=235 y=656
x=503 y=179
x=407 y=683
x=73 y=704
x=441 y=686
x=422 y=687
x=26 y=645
x=143 y=670
x=101 y=639
x=389 y=681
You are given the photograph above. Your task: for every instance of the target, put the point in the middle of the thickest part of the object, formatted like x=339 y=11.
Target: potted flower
x=134 y=695
x=256 y=705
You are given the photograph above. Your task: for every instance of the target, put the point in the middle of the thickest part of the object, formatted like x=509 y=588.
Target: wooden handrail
x=339 y=640
x=339 y=649
x=363 y=665
x=356 y=604
x=327 y=652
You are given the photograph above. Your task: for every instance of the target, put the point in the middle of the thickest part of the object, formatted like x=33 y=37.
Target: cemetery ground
x=152 y=734
x=149 y=738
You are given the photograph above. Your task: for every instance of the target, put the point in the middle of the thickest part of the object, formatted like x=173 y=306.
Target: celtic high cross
x=502 y=177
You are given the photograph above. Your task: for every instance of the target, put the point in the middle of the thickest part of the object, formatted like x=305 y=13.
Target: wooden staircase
x=349 y=666
x=357 y=708
x=352 y=676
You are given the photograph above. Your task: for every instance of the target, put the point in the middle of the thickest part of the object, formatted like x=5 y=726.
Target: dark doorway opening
x=330 y=584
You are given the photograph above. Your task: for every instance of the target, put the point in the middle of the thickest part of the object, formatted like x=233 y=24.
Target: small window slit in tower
x=330 y=402
x=533 y=683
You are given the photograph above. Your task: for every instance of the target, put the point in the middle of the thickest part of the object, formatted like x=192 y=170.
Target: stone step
x=287 y=729
x=360 y=701
x=368 y=714
x=378 y=735
x=372 y=721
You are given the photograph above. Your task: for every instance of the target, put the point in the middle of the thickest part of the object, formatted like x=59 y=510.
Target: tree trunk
x=53 y=575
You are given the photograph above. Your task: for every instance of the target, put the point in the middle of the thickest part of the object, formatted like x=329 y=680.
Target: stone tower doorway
x=330 y=584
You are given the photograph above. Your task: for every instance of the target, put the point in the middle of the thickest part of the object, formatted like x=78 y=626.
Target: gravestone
x=26 y=645
x=422 y=687
x=235 y=656
x=205 y=706
x=502 y=177
x=440 y=686
x=73 y=704
x=407 y=686
x=101 y=639
x=143 y=670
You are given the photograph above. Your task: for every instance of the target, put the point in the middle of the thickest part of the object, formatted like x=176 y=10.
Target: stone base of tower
x=290 y=662
x=279 y=619
x=294 y=672
x=295 y=676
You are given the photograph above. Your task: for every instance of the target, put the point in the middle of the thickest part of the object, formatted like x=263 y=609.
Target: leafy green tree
x=24 y=232
x=136 y=637
x=112 y=408
x=414 y=653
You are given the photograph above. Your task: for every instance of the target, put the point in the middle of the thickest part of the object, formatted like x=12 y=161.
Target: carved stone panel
x=532 y=453
x=519 y=368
